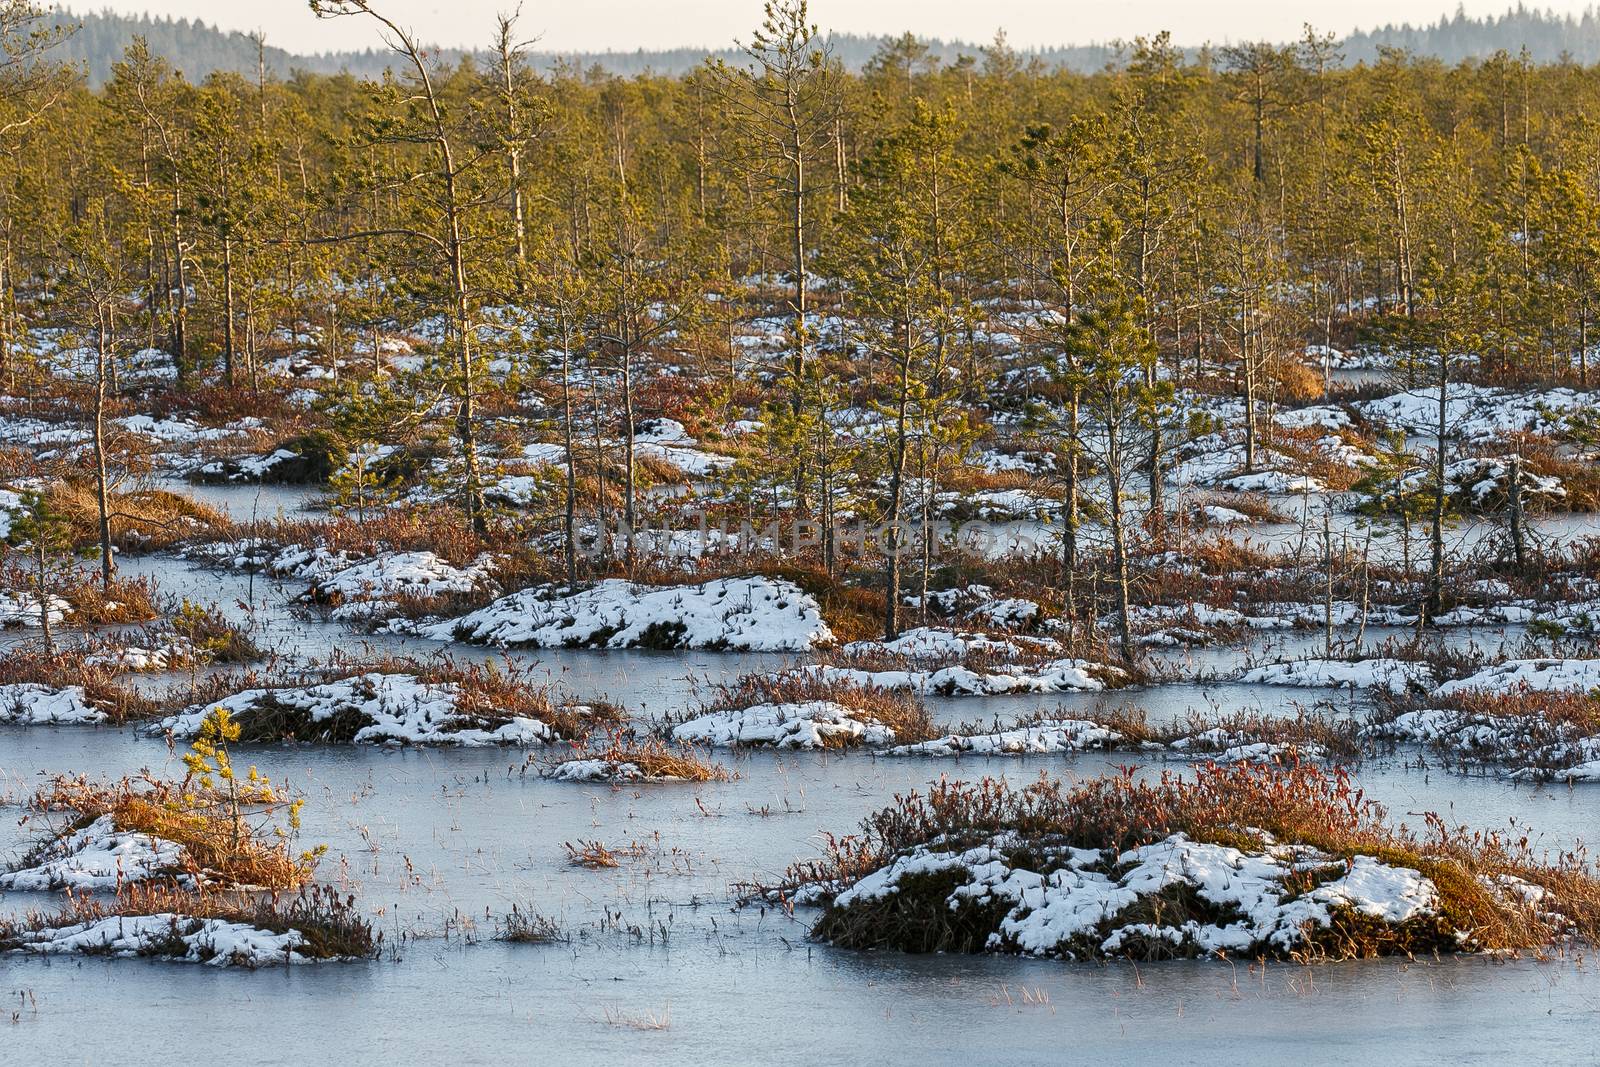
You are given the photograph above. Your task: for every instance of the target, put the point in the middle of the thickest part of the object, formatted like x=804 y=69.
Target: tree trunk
x=102 y=490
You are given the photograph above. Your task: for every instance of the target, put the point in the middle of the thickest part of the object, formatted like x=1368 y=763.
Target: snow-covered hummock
x=996 y=505
x=1272 y=481
x=1022 y=462
x=594 y=770
x=741 y=614
x=602 y=770
x=667 y=439
x=1053 y=676
x=1063 y=735
x=363 y=588
x=22 y=609
x=1224 y=746
x=1480 y=478
x=938 y=643
x=1315 y=417
x=1540 y=674
x=247 y=468
x=979 y=603
x=1475 y=412
x=1530 y=749
x=28 y=704
x=1068 y=910
x=99 y=857
x=1217 y=515
x=169 y=653
x=174 y=431
x=217 y=942
x=1395 y=675
x=398 y=708
x=1199 y=614
x=811 y=724
x=1215 y=462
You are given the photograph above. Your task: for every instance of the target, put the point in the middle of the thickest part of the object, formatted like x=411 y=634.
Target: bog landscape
x=903 y=561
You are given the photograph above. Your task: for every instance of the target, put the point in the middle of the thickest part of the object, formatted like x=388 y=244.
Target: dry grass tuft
x=223 y=830
x=530 y=928
x=59 y=668
x=655 y=759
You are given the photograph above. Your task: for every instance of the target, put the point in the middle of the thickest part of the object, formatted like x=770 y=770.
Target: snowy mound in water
x=937 y=643
x=182 y=938
x=597 y=770
x=98 y=857
x=166 y=655
x=1175 y=897
x=813 y=724
x=367 y=588
x=367 y=709
x=1540 y=674
x=22 y=609
x=1065 y=735
x=27 y=704
x=739 y=614
x=1395 y=675
x=603 y=770
x=1530 y=747
x=1053 y=676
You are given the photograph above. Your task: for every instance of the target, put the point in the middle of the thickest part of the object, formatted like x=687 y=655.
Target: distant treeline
x=198 y=49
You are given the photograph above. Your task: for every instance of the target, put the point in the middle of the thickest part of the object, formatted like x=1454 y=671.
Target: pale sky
x=596 y=25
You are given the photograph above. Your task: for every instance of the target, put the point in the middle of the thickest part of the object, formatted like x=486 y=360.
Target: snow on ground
x=1068 y=908
x=358 y=588
x=1053 y=676
x=98 y=858
x=1215 y=463
x=33 y=433
x=22 y=609
x=1539 y=674
x=279 y=465
x=1480 y=478
x=940 y=644
x=1197 y=614
x=743 y=614
x=1395 y=675
x=1475 y=412
x=396 y=708
x=1530 y=748
x=176 y=431
x=1217 y=515
x=1319 y=416
x=996 y=505
x=12 y=508
x=371 y=586
x=666 y=439
x=1222 y=746
x=217 y=942
x=1063 y=735
x=996 y=462
x=174 y=651
x=1271 y=481
x=27 y=704
x=595 y=770
x=812 y=724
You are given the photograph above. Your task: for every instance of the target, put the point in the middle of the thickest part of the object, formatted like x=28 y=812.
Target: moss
x=916 y=917
x=662 y=636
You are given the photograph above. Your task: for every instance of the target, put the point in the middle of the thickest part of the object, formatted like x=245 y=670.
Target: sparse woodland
x=877 y=277
x=933 y=381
